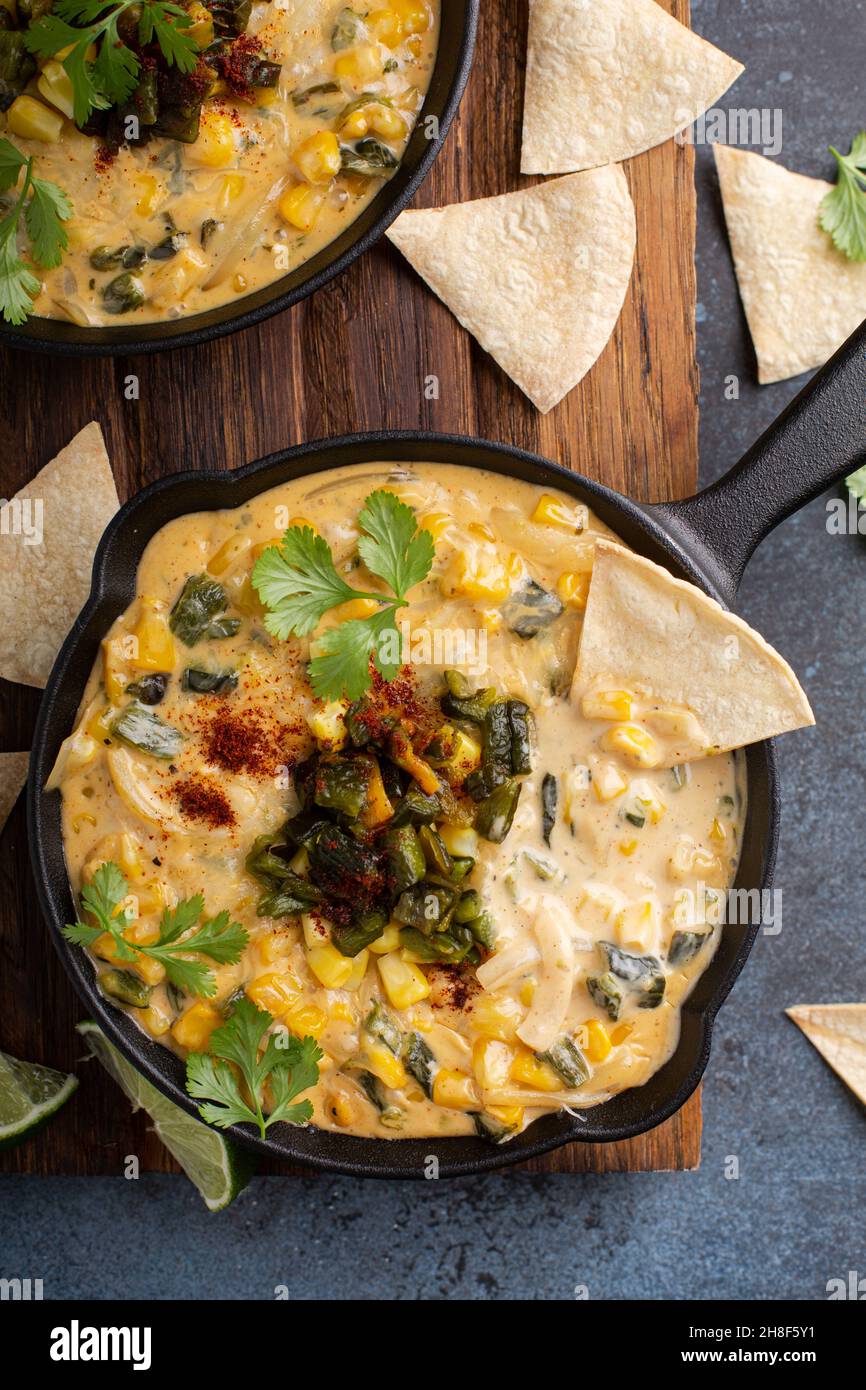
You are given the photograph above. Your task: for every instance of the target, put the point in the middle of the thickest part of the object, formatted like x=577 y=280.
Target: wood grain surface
x=352 y=357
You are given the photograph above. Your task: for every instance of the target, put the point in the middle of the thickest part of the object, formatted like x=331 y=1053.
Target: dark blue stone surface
x=793 y=1218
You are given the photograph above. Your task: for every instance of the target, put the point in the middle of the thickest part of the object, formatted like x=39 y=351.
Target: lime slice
x=29 y=1095
x=217 y=1167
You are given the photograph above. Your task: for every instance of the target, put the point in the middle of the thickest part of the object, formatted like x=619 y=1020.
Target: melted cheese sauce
x=225 y=192
x=627 y=856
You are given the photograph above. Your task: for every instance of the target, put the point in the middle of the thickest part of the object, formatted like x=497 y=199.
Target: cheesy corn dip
x=484 y=900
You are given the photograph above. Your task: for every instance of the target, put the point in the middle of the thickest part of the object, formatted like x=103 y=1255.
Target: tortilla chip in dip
x=838 y=1031
x=48 y=534
x=13 y=775
x=607 y=79
x=538 y=276
x=803 y=298
x=695 y=679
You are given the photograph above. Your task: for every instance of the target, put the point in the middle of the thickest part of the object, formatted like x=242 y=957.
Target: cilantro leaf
x=394 y=547
x=297 y=581
x=18 y=285
x=288 y=1064
x=176 y=921
x=44 y=216
x=843 y=212
x=342 y=661
x=167 y=22
x=12 y=161
x=101 y=898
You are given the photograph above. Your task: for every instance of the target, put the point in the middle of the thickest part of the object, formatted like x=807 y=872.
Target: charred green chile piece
x=282 y=902
x=141 y=728
x=209 y=682
x=150 y=690
x=16 y=66
x=416 y=808
x=405 y=857
x=346 y=30
x=444 y=947
x=391 y=1116
x=380 y=1025
x=685 y=946
x=520 y=723
x=345 y=869
x=468 y=907
x=168 y=248
x=567 y=1061
x=319 y=89
x=419 y=1062
x=368 y=157
x=230 y=16
x=462 y=702
x=488 y=1127
x=107 y=257
x=196 y=612
x=531 y=608
x=607 y=993
x=461 y=867
x=341 y=784
x=549 y=798
x=368 y=927
x=435 y=853
x=483 y=929
x=123 y=294
x=209 y=228
x=126 y=987
x=496 y=757
x=304 y=828
x=426 y=906
x=643 y=974
x=495 y=814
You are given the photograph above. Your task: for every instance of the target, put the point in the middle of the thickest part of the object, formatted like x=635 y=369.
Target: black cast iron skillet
x=458 y=24
x=707 y=539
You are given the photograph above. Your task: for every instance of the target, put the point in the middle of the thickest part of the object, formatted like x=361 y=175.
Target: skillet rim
x=54 y=337
x=360 y=1156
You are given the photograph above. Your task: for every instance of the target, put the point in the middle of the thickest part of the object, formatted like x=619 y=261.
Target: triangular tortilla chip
x=538 y=276
x=607 y=79
x=46 y=554
x=13 y=775
x=664 y=639
x=802 y=297
x=838 y=1031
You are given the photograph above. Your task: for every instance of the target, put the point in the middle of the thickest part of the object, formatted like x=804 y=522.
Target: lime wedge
x=216 y=1166
x=29 y=1095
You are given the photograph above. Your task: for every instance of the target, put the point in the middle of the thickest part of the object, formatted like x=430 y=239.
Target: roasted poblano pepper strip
x=488 y=1127
x=367 y=928
x=346 y=30
x=531 y=608
x=607 y=993
x=483 y=929
x=342 y=784
x=426 y=906
x=448 y=947
x=468 y=907
x=126 y=987
x=209 y=682
x=496 y=757
x=462 y=702
x=149 y=690
x=549 y=797
x=685 y=946
x=567 y=1061
x=303 y=829
x=643 y=974
x=391 y=1116
x=435 y=853
x=419 y=1062
x=406 y=860
x=343 y=868
x=520 y=723
x=416 y=808
x=369 y=158
x=196 y=612
x=141 y=728
x=461 y=867
x=380 y=1025
x=495 y=814
x=282 y=902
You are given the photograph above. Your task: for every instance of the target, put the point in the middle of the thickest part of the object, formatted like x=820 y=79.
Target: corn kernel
x=201 y=30
x=178 y=276
x=718 y=831
x=155 y=1019
x=231 y=189
x=491 y=619
x=607 y=704
x=476 y=575
x=608 y=782
x=149 y=191
x=385 y=26
x=318 y=157
x=573 y=589
x=388 y=941
x=306 y=1019
x=598 y=1043
x=113 y=662
x=620 y=1033
x=300 y=206
x=327 y=724
x=300 y=522
x=627 y=847
x=509 y=1115
x=414 y=15
x=491 y=1062
x=215 y=146
x=459 y=840
x=193 y=1029
x=638 y=926
x=404 y=983
x=361 y=66
x=355 y=608
x=526 y=993
x=552 y=511
x=275 y=992
x=342 y=1104
x=437 y=523
x=359 y=970
x=481 y=530
x=356 y=124
x=633 y=743
x=455 y=1090
x=155 y=644
x=496 y=1016
x=230 y=552
x=386 y=122
x=383 y=1064
x=274 y=946
x=341 y=1011
x=330 y=967
x=55 y=87
x=527 y=1070
x=30 y=120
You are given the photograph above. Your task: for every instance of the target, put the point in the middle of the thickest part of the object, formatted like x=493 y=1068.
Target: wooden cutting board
x=353 y=357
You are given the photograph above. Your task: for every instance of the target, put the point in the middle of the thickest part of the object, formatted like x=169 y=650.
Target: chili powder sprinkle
x=202 y=800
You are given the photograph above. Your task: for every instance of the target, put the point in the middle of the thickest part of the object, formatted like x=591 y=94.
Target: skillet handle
x=818 y=439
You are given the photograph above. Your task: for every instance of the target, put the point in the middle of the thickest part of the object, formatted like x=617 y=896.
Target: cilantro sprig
x=231 y=1078
x=298 y=583
x=180 y=935
x=110 y=77
x=843 y=212
x=44 y=208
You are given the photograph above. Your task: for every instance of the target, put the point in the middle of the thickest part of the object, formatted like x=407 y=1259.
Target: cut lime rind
x=856 y=484
x=216 y=1166
x=29 y=1095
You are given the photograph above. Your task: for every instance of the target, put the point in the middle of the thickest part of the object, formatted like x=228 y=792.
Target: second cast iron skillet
x=707 y=539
